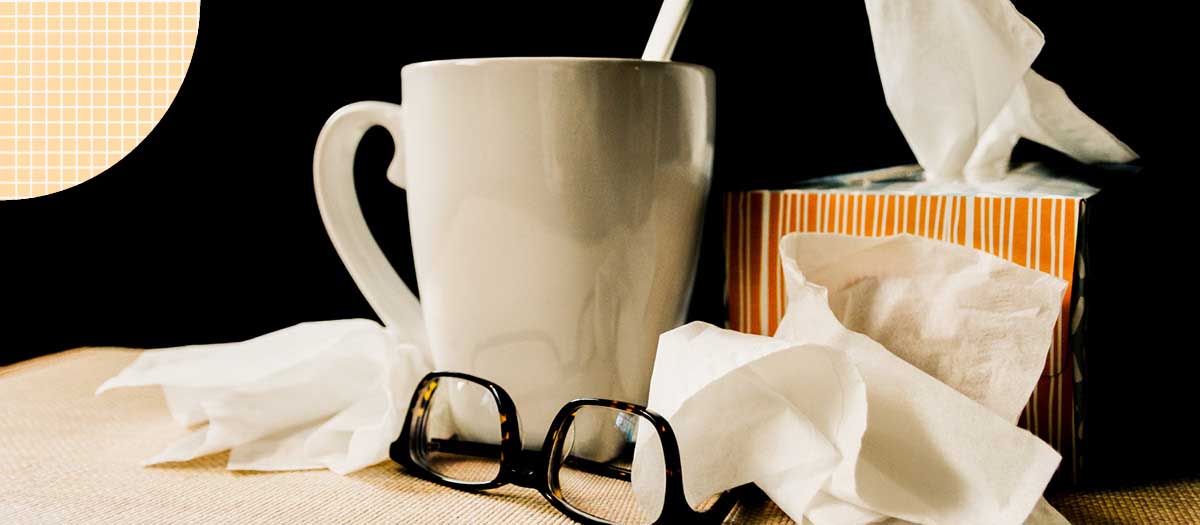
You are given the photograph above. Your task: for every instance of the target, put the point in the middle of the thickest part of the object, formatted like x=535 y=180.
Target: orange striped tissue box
x=1032 y=218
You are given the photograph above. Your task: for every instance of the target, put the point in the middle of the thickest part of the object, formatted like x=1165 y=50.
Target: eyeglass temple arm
x=488 y=450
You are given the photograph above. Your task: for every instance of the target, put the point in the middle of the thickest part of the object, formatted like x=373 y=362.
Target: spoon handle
x=666 y=30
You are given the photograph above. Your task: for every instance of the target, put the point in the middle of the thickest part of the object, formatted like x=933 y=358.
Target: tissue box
x=1033 y=218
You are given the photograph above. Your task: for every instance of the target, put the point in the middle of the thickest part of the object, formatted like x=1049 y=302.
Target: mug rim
x=561 y=60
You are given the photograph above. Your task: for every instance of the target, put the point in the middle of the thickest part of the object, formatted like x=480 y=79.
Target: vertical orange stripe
x=850 y=211
x=864 y=216
x=920 y=212
x=843 y=204
x=934 y=207
x=772 y=258
x=1020 y=226
x=798 y=203
x=989 y=219
x=846 y=214
x=997 y=205
x=1010 y=235
x=797 y=210
x=810 y=212
x=985 y=221
x=829 y=213
x=1046 y=206
x=755 y=238
x=860 y=228
x=998 y=226
x=835 y=211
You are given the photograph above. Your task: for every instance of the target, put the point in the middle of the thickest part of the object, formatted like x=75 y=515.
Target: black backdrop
x=208 y=230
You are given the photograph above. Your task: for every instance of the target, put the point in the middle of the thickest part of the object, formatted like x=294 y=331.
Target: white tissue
x=329 y=394
x=837 y=429
x=976 y=322
x=749 y=408
x=957 y=77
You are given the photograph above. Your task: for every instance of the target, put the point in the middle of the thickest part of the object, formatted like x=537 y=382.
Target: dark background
x=208 y=231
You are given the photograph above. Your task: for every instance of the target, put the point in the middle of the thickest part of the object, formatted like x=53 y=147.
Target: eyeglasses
x=462 y=431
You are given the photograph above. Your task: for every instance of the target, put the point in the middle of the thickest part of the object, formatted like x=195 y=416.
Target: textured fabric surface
x=69 y=457
x=1175 y=501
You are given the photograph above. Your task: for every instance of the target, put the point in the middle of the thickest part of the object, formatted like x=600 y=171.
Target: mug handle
x=333 y=176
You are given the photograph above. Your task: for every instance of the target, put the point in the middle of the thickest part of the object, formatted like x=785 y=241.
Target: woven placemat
x=67 y=456
x=1174 y=501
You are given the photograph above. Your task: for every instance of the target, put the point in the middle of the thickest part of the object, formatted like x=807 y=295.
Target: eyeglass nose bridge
x=528 y=470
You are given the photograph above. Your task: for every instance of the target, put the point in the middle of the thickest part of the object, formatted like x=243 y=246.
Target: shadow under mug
x=555 y=207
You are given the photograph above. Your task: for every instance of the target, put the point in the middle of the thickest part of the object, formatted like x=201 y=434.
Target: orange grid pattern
x=82 y=83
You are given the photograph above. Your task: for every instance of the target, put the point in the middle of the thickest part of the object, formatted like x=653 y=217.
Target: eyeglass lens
x=461 y=436
x=595 y=462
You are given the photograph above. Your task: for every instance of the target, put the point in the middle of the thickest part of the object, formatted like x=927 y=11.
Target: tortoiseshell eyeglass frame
x=536 y=469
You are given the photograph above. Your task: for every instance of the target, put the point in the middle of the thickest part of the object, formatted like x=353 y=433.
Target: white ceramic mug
x=555 y=207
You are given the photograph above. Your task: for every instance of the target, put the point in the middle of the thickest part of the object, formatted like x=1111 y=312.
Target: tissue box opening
x=1032 y=219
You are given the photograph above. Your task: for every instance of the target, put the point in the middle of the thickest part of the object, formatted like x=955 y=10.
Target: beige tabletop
x=67 y=456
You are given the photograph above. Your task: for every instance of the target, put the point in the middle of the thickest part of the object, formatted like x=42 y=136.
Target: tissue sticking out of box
x=957 y=78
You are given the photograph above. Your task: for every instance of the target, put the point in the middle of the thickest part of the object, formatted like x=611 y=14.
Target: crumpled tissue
x=330 y=394
x=889 y=390
x=957 y=77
